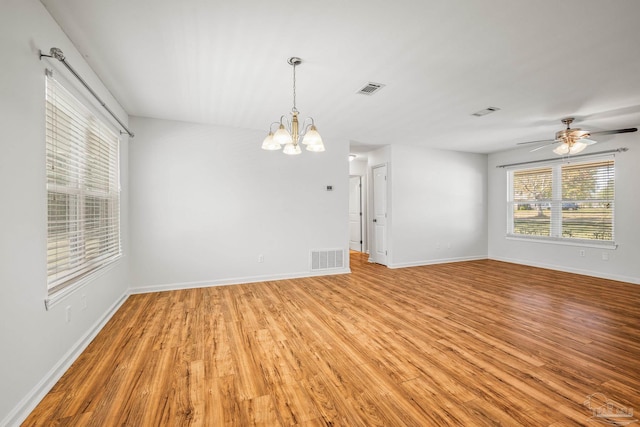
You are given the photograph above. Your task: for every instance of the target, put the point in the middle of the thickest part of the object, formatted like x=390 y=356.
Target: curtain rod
x=56 y=53
x=617 y=150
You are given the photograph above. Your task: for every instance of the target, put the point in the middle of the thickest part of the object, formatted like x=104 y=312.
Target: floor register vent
x=327 y=259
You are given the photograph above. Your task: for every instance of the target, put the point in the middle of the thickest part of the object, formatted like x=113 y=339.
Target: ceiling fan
x=573 y=141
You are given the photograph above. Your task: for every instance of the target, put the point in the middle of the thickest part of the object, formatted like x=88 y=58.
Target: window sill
x=59 y=296
x=564 y=242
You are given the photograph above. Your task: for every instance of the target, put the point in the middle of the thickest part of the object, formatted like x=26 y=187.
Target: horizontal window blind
x=83 y=189
x=532 y=194
x=588 y=200
x=567 y=201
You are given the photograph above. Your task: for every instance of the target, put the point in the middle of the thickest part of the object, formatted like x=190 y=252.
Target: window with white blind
x=83 y=190
x=564 y=202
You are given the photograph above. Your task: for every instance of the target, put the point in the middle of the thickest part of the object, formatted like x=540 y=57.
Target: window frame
x=555 y=204
x=86 y=151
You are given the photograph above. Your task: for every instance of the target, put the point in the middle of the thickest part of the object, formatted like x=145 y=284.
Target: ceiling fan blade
x=588 y=141
x=543 y=146
x=536 y=142
x=611 y=132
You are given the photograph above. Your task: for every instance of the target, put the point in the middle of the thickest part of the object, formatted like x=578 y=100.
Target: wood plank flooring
x=478 y=343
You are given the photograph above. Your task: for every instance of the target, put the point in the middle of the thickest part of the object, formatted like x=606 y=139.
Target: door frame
x=372 y=244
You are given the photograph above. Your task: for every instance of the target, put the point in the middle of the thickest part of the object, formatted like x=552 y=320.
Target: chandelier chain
x=294 y=88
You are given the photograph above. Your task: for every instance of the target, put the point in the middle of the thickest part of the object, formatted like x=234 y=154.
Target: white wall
x=206 y=202
x=438 y=206
x=622 y=263
x=37 y=344
x=358 y=167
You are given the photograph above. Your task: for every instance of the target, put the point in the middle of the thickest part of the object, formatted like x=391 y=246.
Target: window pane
x=532 y=184
x=83 y=190
x=532 y=191
x=592 y=181
x=588 y=221
x=531 y=220
x=587 y=200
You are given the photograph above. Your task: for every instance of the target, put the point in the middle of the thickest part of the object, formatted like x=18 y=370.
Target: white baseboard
x=620 y=278
x=436 y=261
x=234 y=281
x=31 y=400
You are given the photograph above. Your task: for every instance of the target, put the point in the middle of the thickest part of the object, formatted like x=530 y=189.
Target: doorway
x=355 y=213
x=379 y=253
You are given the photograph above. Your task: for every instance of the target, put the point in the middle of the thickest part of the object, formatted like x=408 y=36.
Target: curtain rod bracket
x=56 y=53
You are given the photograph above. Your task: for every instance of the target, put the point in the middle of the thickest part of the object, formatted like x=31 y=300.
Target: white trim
x=437 y=261
x=59 y=296
x=28 y=403
x=233 y=281
x=628 y=279
x=606 y=244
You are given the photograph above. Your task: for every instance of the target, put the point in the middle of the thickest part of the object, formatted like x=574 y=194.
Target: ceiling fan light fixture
x=562 y=149
x=574 y=140
x=577 y=147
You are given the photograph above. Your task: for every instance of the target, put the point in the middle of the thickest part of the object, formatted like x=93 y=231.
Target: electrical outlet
x=260 y=258
x=83 y=302
x=582 y=252
x=67 y=311
x=605 y=256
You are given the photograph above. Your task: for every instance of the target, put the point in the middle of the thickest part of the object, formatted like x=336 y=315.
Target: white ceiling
x=224 y=62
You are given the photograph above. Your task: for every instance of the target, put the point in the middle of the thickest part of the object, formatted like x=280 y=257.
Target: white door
x=355 y=213
x=380 y=214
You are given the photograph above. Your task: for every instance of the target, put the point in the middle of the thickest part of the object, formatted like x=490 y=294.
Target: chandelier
x=289 y=133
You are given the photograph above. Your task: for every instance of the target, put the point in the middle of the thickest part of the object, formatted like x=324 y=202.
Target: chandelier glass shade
x=290 y=133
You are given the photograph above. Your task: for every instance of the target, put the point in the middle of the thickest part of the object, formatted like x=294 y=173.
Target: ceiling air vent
x=370 y=88
x=486 y=111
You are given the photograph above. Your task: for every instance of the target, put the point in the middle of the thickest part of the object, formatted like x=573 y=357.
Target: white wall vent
x=327 y=259
x=370 y=88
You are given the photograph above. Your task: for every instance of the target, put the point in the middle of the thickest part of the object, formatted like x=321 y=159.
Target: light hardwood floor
x=466 y=344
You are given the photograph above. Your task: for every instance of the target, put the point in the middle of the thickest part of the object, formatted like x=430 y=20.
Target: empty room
x=355 y=213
